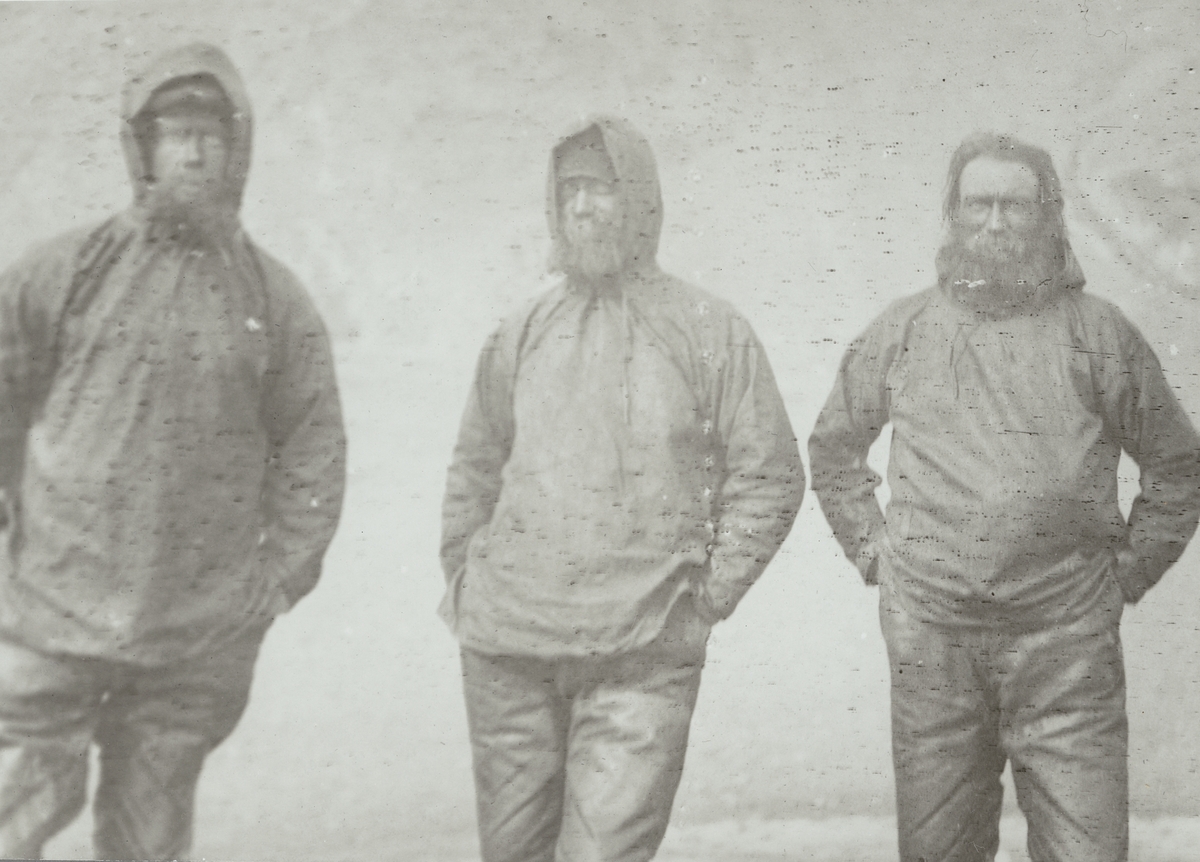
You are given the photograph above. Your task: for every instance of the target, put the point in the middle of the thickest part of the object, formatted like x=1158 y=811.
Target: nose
x=193 y=152
x=581 y=201
x=995 y=219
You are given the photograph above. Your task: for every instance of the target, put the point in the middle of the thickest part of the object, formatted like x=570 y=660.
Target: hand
x=703 y=604
x=269 y=599
x=868 y=563
x=1126 y=574
x=279 y=603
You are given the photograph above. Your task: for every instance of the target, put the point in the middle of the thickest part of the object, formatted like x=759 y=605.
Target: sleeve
x=306 y=473
x=763 y=481
x=484 y=441
x=851 y=420
x=1154 y=430
x=28 y=326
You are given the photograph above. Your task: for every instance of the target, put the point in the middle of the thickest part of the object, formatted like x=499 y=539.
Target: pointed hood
x=637 y=183
x=187 y=61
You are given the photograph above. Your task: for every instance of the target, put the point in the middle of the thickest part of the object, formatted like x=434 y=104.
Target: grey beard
x=206 y=223
x=593 y=257
x=999 y=274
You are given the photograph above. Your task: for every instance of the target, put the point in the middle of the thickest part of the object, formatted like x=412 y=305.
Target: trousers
x=154 y=726
x=1051 y=702
x=578 y=759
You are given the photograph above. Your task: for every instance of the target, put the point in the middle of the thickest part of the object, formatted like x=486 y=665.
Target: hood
x=197 y=58
x=637 y=184
x=1071 y=276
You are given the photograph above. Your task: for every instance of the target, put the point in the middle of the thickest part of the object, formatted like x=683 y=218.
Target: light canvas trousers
x=1051 y=702
x=154 y=727
x=578 y=760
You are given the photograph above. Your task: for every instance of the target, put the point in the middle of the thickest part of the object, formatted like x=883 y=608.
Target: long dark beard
x=205 y=223
x=999 y=273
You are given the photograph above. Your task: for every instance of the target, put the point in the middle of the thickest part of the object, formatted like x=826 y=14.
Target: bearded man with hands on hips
x=1003 y=560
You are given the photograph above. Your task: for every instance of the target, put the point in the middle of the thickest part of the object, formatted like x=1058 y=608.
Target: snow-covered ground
x=873 y=839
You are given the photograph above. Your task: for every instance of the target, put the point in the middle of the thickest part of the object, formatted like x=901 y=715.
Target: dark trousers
x=578 y=760
x=966 y=700
x=154 y=727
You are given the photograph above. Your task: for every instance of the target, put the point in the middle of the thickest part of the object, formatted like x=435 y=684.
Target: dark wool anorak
x=171 y=439
x=1007 y=432
x=622 y=447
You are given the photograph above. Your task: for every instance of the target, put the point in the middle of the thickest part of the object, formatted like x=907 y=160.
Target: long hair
x=1007 y=148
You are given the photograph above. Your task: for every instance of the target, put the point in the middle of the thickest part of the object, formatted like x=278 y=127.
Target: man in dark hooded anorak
x=1004 y=561
x=171 y=455
x=624 y=472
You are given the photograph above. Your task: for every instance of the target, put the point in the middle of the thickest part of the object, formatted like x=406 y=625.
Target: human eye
x=568 y=188
x=173 y=133
x=977 y=207
x=1019 y=207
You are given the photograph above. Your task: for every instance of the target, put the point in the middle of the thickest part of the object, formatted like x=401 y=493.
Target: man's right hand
x=868 y=561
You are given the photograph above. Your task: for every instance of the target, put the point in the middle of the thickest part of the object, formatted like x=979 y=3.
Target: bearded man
x=171 y=451
x=624 y=472
x=1004 y=561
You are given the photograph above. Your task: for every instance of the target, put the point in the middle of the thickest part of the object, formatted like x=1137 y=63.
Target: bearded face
x=591 y=223
x=999 y=254
x=1000 y=270
x=188 y=162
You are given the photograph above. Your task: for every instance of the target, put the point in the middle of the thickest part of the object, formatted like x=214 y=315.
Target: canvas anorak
x=171 y=440
x=1007 y=432
x=623 y=446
